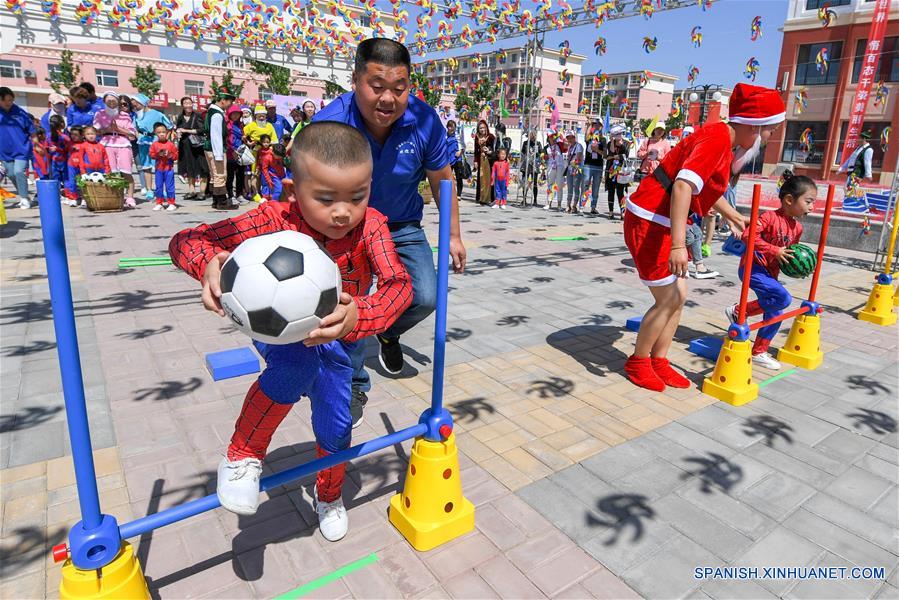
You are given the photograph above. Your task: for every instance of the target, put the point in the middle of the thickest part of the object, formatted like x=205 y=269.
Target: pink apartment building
x=109 y=66
x=646 y=99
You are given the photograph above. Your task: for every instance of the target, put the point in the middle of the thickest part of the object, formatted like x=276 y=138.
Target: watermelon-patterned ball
x=801 y=264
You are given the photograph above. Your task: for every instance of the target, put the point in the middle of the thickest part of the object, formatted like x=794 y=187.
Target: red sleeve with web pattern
x=380 y=310
x=192 y=249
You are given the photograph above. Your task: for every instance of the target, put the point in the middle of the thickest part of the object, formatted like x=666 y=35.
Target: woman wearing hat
x=57 y=107
x=653 y=149
x=117 y=132
x=145 y=119
x=616 y=159
x=691 y=178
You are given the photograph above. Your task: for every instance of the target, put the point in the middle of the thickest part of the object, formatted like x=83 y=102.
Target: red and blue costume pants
x=772 y=299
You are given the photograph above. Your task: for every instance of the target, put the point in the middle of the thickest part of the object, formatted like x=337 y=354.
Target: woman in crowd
x=653 y=149
x=306 y=114
x=484 y=156
x=117 y=132
x=456 y=152
x=593 y=162
x=191 y=159
x=555 y=170
x=81 y=111
x=235 y=171
x=531 y=150
x=145 y=118
x=616 y=159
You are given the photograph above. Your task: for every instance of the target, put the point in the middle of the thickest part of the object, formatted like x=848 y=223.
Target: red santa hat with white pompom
x=756 y=105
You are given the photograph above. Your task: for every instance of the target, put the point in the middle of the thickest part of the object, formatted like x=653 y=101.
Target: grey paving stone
x=715 y=536
x=583 y=484
x=844 y=446
x=837 y=540
x=628 y=543
x=886 y=508
x=738 y=515
x=693 y=440
x=735 y=590
x=858 y=488
x=788 y=464
x=833 y=588
x=852 y=519
x=669 y=573
x=783 y=548
x=562 y=509
x=617 y=461
x=777 y=495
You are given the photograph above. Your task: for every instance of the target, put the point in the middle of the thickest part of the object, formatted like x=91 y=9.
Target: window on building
x=299 y=93
x=107 y=77
x=193 y=88
x=887 y=66
x=816 y=4
x=808 y=72
x=514 y=59
x=794 y=151
x=364 y=20
x=875 y=128
x=559 y=92
x=54 y=72
x=566 y=105
x=464 y=64
x=11 y=69
x=548 y=124
x=265 y=94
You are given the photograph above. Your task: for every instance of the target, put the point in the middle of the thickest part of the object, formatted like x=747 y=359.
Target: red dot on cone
x=60 y=552
x=445 y=431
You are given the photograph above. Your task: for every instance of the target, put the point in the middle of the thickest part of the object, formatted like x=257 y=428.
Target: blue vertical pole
x=446 y=196
x=94 y=541
x=67 y=350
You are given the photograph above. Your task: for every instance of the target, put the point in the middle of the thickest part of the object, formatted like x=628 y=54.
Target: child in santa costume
x=691 y=178
x=332 y=166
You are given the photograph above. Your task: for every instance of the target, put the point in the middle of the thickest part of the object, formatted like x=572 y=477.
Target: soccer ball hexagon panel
x=276 y=288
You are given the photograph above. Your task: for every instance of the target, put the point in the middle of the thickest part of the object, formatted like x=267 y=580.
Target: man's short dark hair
x=87 y=85
x=56 y=122
x=5 y=91
x=382 y=51
x=332 y=143
x=159 y=124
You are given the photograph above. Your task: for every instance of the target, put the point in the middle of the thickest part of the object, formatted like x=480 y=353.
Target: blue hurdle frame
x=96 y=539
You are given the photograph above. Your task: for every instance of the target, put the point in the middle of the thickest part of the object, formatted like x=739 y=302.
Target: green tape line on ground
x=776 y=377
x=325 y=580
x=567 y=238
x=433 y=248
x=144 y=262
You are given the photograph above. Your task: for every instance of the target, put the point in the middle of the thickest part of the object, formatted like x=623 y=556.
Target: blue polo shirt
x=452 y=146
x=416 y=143
x=16 y=128
x=81 y=116
x=281 y=125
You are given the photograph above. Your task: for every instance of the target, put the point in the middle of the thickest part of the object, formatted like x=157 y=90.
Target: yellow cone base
x=879 y=309
x=896 y=297
x=431 y=510
x=803 y=346
x=122 y=579
x=731 y=381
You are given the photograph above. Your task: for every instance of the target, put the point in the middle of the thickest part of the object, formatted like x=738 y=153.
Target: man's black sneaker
x=357 y=405
x=391 y=355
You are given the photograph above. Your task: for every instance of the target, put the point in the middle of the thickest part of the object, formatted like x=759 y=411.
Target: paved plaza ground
x=585 y=486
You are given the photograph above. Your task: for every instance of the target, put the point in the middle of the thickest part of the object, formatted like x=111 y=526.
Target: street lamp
x=703 y=99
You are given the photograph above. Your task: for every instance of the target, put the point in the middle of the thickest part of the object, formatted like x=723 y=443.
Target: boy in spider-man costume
x=332 y=168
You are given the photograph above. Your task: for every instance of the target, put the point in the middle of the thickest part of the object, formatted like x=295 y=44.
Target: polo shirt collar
x=406 y=120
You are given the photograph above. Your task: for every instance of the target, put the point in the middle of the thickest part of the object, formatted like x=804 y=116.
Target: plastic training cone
x=431 y=509
x=122 y=579
x=896 y=297
x=731 y=381
x=803 y=345
x=879 y=309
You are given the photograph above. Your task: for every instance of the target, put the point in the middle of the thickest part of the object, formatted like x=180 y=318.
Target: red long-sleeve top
x=500 y=170
x=75 y=155
x=270 y=166
x=92 y=157
x=60 y=148
x=167 y=162
x=41 y=159
x=367 y=249
x=775 y=230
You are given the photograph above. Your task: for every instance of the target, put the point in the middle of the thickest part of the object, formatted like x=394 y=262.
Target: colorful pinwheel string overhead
x=599 y=46
x=752 y=68
x=696 y=36
x=822 y=62
x=692 y=74
x=756 y=29
x=650 y=44
x=801 y=98
x=827 y=16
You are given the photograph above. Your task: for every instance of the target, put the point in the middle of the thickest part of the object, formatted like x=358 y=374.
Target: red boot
x=668 y=375
x=641 y=373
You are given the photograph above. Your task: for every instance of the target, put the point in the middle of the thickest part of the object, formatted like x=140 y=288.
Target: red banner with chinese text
x=160 y=100
x=866 y=77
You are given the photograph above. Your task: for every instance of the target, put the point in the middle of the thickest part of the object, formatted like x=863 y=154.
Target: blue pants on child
x=500 y=190
x=772 y=296
x=59 y=171
x=274 y=191
x=165 y=186
x=71 y=187
x=323 y=373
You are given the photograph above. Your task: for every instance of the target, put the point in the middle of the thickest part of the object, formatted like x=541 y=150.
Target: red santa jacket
x=167 y=162
x=775 y=230
x=703 y=160
x=367 y=249
x=92 y=157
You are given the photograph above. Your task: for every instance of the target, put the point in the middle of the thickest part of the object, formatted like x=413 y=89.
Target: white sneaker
x=503 y=207
x=71 y=203
x=238 y=485
x=182 y=180
x=24 y=203
x=546 y=207
x=171 y=207
x=766 y=360
x=494 y=205
x=707 y=274
x=333 y=521
x=731 y=313
x=158 y=207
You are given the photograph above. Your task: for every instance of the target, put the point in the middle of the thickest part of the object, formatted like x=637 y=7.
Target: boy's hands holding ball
x=337 y=324
x=212 y=289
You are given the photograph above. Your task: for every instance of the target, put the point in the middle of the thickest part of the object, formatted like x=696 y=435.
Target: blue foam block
x=232 y=363
x=734 y=245
x=633 y=324
x=706 y=347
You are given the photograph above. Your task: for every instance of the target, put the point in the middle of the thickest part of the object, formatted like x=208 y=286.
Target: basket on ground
x=102 y=198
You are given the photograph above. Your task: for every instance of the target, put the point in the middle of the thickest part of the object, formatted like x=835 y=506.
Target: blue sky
x=726 y=44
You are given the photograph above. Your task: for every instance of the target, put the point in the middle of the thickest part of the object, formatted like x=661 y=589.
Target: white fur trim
x=649 y=216
x=658 y=282
x=773 y=119
x=692 y=178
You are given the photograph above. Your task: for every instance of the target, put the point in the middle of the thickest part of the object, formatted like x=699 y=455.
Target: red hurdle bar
x=750 y=248
x=822 y=240
x=779 y=318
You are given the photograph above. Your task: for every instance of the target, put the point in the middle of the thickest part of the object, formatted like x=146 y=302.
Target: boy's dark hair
x=382 y=51
x=76 y=129
x=88 y=87
x=279 y=150
x=795 y=185
x=5 y=91
x=56 y=122
x=39 y=131
x=332 y=143
x=265 y=136
x=159 y=124
x=79 y=92
x=86 y=127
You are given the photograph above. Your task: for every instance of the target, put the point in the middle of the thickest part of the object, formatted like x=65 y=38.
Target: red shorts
x=650 y=245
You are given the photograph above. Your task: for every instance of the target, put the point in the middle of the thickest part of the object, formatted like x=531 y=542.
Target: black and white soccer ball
x=277 y=287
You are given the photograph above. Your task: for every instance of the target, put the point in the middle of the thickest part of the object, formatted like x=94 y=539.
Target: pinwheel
x=827 y=16
x=17 y=7
x=646 y=9
x=752 y=68
x=624 y=106
x=801 y=98
x=565 y=76
x=501 y=57
x=806 y=140
x=549 y=104
x=756 y=28
x=599 y=46
x=696 y=36
x=582 y=106
x=650 y=44
x=565 y=49
x=645 y=76
x=600 y=80
x=885 y=138
x=705 y=4
x=692 y=74
x=50 y=8
x=822 y=61
x=881 y=93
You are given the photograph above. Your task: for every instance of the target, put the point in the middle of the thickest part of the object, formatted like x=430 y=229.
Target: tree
x=227 y=82
x=432 y=94
x=67 y=73
x=481 y=95
x=277 y=78
x=527 y=93
x=146 y=80
x=642 y=124
x=332 y=89
x=676 y=122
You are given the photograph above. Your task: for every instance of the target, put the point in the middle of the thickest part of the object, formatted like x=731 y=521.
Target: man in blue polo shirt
x=280 y=124
x=408 y=143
